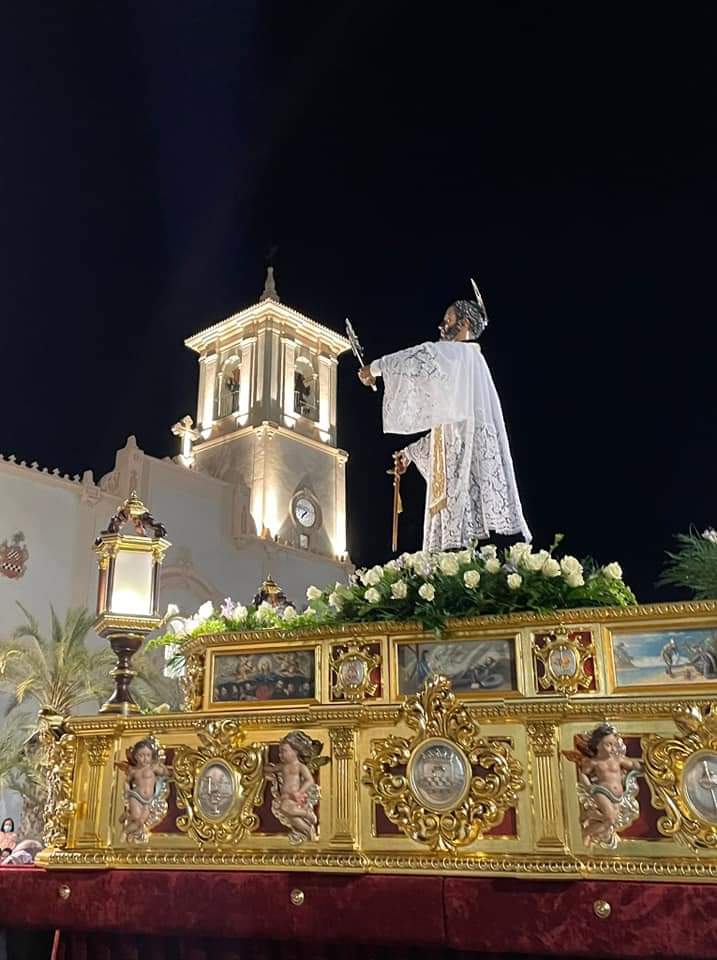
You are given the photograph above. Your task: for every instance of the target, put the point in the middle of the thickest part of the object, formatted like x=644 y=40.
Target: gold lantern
x=128 y=591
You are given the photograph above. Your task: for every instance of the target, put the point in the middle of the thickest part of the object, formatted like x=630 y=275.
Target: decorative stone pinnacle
x=270 y=291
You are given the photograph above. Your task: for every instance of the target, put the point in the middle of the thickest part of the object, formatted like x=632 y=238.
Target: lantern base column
x=124 y=646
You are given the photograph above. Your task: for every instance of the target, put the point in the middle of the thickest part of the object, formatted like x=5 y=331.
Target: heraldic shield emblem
x=13 y=557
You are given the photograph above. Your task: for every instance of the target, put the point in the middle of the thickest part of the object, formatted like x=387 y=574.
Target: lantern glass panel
x=132 y=586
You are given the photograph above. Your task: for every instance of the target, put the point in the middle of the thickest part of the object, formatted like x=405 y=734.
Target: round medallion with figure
x=562 y=661
x=699 y=783
x=215 y=791
x=439 y=774
x=352 y=672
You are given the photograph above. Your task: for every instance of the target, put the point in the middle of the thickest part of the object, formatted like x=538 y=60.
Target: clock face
x=305 y=512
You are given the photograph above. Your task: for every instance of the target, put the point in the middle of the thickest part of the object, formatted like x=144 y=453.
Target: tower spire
x=270 y=291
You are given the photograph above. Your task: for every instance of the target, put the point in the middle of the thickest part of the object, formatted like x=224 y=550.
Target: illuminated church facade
x=258 y=487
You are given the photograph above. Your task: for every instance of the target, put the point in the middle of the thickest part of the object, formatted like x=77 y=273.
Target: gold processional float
x=558 y=750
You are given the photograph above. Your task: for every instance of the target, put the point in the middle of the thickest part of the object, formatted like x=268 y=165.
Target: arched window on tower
x=306 y=388
x=228 y=387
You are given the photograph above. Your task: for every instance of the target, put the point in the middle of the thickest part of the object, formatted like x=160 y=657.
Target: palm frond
x=693 y=566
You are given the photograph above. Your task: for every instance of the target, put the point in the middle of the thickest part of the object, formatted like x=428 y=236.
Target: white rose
x=710 y=534
x=424 y=568
x=313 y=593
x=536 y=561
x=489 y=552
x=570 y=566
x=372 y=595
x=172 y=610
x=392 y=565
x=574 y=580
x=335 y=601
x=240 y=612
x=464 y=556
x=309 y=612
x=205 y=611
x=492 y=565
x=514 y=580
x=518 y=552
x=613 y=571
x=399 y=590
x=448 y=564
x=426 y=591
x=289 y=613
x=471 y=578
x=265 y=611
x=551 y=568
x=412 y=559
x=373 y=576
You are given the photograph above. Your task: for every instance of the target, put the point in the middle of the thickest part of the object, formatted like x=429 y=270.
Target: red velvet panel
x=524 y=917
x=491 y=916
x=229 y=904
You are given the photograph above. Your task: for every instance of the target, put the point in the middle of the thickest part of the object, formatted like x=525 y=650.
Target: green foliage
x=693 y=565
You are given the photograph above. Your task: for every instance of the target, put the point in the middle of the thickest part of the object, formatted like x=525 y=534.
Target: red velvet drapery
x=250 y=916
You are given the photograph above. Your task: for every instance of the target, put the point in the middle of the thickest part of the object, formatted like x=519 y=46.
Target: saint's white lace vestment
x=465 y=459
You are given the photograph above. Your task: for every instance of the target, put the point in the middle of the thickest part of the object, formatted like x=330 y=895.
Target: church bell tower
x=266 y=423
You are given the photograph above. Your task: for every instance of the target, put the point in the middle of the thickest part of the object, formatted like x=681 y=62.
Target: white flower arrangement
x=427 y=586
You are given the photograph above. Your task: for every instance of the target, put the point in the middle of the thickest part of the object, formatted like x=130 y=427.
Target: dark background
x=153 y=154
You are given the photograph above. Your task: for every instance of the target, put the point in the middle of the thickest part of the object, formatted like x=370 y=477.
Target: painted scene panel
x=277 y=675
x=665 y=657
x=472 y=666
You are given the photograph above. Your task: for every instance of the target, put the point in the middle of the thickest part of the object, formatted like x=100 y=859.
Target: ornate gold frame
x=253 y=650
x=511 y=637
x=579 y=679
x=634 y=629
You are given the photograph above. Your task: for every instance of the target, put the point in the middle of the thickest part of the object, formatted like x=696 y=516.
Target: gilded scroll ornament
x=446 y=785
x=682 y=774
x=57 y=763
x=351 y=667
x=564 y=655
x=219 y=784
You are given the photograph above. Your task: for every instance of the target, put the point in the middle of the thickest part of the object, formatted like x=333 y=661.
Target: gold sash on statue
x=439 y=481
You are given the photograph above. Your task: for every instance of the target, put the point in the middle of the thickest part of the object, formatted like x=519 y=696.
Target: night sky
x=154 y=153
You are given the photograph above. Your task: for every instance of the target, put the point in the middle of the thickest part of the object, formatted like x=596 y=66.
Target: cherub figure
x=146 y=790
x=294 y=791
x=607 y=788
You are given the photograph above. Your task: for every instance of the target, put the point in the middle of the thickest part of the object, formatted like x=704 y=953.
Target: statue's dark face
x=451 y=326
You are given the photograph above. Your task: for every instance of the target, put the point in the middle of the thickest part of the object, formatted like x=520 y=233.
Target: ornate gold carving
x=682 y=774
x=297 y=897
x=97 y=750
x=444 y=726
x=191 y=683
x=351 y=668
x=543 y=738
x=57 y=763
x=220 y=745
x=342 y=742
x=563 y=657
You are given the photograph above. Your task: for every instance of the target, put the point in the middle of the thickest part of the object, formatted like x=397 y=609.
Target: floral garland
x=429 y=588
